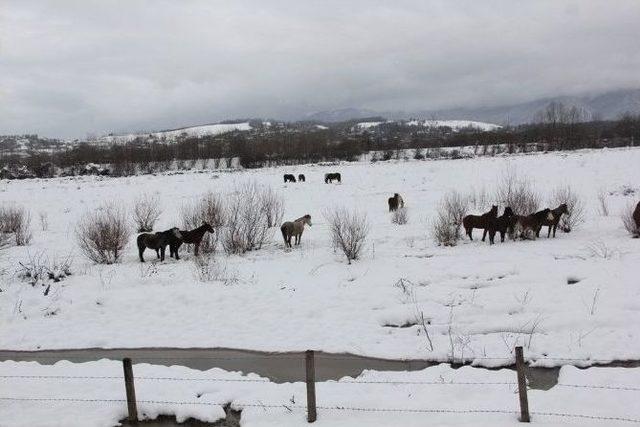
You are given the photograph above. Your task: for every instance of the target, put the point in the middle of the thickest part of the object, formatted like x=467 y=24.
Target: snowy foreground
x=478 y=301
x=438 y=396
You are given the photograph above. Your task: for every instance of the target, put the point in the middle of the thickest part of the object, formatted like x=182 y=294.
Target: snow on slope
x=454 y=124
x=264 y=403
x=170 y=135
x=483 y=299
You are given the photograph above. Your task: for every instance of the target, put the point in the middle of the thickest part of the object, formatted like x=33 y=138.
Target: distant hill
x=609 y=105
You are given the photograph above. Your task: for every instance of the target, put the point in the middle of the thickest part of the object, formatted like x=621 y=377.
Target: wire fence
x=291 y=406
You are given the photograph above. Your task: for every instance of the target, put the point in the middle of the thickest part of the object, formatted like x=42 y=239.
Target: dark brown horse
x=395 y=202
x=529 y=226
x=289 y=178
x=557 y=214
x=301 y=178
x=503 y=224
x=636 y=216
x=330 y=177
x=157 y=241
x=483 y=221
x=192 y=236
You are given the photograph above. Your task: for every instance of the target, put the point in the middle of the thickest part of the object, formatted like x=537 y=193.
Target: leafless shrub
x=575 y=207
x=209 y=209
x=16 y=220
x=247 y=218
x=604 y=205
x=273 y=206
x=629 y=222
x=103 y=234
x=44 y=220
x=39 y=269
x=599 y=249
x=209 y=269
x=517 y=193
x=447 y=225
x=400 y=216
x=146 y=211
x=349 y=231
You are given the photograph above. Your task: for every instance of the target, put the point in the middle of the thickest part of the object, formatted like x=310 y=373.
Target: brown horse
x=636 y=216
x=502 y=224
x=529 y=226
x=301 y=178
x=192 y=236
x=483 y=221
x=295 y=229
x=157 y=241
x=330 y=177
x=557 y=214
x=395 y=202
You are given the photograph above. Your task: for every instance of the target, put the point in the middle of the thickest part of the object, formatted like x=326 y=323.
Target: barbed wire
x=586 y=416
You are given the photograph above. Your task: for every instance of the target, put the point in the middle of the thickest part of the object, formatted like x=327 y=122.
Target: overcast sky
x=69 y=68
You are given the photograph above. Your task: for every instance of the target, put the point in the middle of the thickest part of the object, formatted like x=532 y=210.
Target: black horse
x=330 y=177
x=289 y=178
x=301 y=178
x=502 y=224
x=157 y=241
x=483 y=222
x=553 y=224
x=192 y=236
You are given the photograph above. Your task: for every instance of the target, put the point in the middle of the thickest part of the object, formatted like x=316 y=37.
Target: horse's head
x=207 y=227
x=307 y=219
x=563 y=209
x=494 y=210
x=508 y=211
x=176 y=233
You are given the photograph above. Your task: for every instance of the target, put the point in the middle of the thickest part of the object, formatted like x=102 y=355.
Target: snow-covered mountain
x=173 y=134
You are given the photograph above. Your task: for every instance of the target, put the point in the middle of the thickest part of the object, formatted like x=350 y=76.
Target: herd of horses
x=328 y=177
x=174 y=238
x=522 y=226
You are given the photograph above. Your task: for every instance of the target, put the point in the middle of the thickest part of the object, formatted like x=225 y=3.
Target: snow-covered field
x=479 y=301
x=453 y=124
x=436 y=396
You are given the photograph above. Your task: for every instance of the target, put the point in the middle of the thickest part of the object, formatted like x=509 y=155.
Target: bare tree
x=446 y=229
x=103 y=234
x=400 y=216
x=349 y=231
x=517 y=193
x=146 y=211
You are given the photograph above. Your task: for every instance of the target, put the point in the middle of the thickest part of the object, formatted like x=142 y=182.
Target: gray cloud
x=72 y=67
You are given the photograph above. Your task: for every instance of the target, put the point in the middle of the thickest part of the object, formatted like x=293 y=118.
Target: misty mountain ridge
x=608 y=105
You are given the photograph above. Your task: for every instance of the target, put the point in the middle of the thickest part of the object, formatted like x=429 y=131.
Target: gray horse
x=294 y=228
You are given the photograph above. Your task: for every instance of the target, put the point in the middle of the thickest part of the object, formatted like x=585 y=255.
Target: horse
x=157 y=241
x=191 y=236
x=483 y=221
x=301 y=178
x=395 y=202
x=330 y=177
x=295 y=229
x=636 y=216
x=557 y=213
x=532 y=223
x=289 y=178
x=502 y=225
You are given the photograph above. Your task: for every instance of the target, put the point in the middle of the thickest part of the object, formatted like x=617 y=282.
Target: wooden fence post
x=131 y=391
x=311 y=386
x=522 y=386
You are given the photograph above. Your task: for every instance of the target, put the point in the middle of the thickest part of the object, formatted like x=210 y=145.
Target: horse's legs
x=469 y=231
x=162 y=250
x=158 y=253
x=554 y=230
x=140 y=251
x=492 y=235
x=196 y=248
x=484 y=234
x=502 y=236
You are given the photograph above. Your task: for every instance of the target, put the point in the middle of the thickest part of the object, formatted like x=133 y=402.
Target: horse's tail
x=283 y=229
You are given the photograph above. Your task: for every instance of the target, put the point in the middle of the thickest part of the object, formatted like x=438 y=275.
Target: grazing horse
x=395 y=202
x=330 y=177
x=532 y=223
x=502 y=224
x=192 y=236
x=636 y=216
x=295 y=229
x=301 y=178
x=289 y=178
x=157 y=241
x=483 y=221
x=557 y=214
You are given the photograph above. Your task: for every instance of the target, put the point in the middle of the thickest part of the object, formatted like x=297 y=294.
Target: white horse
x=294 y=228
